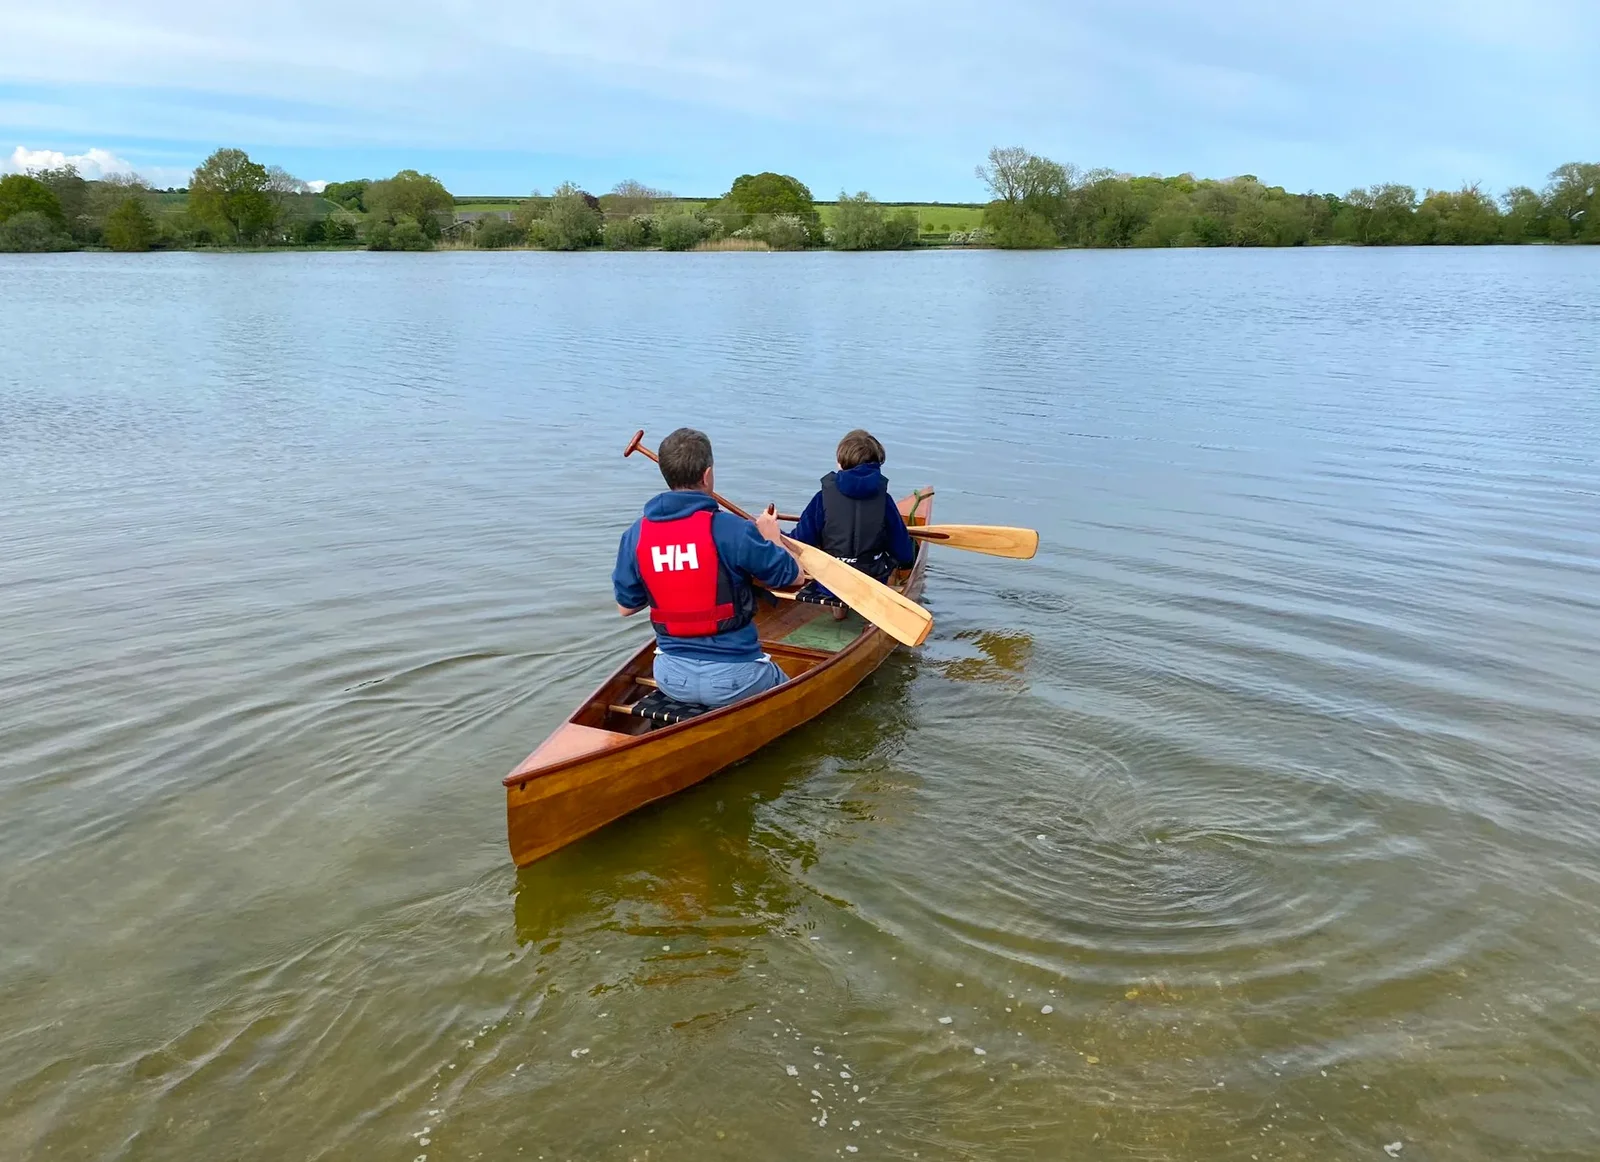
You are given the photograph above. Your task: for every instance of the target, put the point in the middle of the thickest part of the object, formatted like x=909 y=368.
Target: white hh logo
x=674 y=557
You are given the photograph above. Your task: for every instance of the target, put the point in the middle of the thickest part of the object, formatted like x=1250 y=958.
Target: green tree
x=629 y=233
x=784 y=231
x=348 y=195
x=32 y=232
x=571 y=221
x=862 y=223
x=771 y=193
x=307 y=231
x=405 y=233
x=1018 y=177
x=1526 y=217
x=1109 y=210
x=291 y=197
x=495 y=233
x=107 y=194
x=130 y=226
x=1464 y=217
x=72 y=192
x=1013 y=226
x=20 y=194
x=1383 y=214
x=630 y=199
x=1033 y=198
x=418 y=196
x=340 y=228
x=1572 y=200
x=858 y=222
x=900 y=229
x=232 y=195
x=680 y=231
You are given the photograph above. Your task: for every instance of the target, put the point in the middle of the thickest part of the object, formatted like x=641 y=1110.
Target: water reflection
x=1002 y=657
x=714 y=859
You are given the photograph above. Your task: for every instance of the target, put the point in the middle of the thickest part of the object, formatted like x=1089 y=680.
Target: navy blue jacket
x=742 y=550
x=857 y=483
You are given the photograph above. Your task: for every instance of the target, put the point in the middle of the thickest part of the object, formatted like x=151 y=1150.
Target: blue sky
x=896 y=98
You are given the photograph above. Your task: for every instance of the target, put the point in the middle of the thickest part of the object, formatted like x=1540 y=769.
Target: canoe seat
x=657 y=707
x=812 y=595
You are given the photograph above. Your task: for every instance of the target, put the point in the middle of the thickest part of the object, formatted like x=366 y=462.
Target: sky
x=902 y=100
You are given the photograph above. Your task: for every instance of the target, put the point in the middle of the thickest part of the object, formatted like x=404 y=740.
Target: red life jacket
x=691 y=592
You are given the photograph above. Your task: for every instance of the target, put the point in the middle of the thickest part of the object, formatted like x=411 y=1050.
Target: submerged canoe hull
x=598 y=767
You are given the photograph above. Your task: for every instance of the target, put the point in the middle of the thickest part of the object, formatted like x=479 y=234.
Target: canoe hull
x=585 y=776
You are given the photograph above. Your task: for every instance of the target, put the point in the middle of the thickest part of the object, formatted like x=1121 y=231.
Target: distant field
x=488 y=205
x=932 y=217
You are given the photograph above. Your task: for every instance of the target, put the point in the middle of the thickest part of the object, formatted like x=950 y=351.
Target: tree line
x=1038 y=203
x=232 y=200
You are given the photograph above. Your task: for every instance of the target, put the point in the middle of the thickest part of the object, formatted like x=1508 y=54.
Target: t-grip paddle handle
x=634 y=445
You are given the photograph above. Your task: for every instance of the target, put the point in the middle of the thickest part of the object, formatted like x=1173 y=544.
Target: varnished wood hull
x=596 y=768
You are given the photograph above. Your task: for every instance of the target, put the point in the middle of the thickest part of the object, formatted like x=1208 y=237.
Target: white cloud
x=317 y=186
x=92 y=164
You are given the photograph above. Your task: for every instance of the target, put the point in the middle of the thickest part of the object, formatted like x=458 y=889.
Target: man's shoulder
x=725 y=524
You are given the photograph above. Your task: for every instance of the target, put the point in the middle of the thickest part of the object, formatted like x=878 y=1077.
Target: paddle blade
x=893 y=612
x=996 y=540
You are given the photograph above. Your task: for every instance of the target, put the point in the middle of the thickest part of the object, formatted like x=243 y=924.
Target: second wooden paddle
x=996 y=540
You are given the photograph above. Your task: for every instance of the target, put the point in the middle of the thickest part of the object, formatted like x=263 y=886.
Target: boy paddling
x=853 y=517
x=693 y=568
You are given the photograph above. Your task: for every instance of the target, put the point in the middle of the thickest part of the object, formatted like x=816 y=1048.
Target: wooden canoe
x=603 y=762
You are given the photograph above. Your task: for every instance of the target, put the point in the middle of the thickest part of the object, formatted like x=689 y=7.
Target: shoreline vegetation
x=233 y=202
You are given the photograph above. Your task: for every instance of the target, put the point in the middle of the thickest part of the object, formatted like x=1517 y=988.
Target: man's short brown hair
x=860 y=447
x=685 y=456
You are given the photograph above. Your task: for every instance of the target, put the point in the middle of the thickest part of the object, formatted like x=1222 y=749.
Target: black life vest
x=856 y=531
x=692 y=593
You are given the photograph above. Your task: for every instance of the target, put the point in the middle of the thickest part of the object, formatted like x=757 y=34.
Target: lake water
x=1258 y=817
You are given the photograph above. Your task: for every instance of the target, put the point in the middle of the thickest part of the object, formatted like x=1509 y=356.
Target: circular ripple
x=1104 y=862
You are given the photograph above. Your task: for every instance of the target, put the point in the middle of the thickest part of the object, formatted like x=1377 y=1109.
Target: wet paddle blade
x=894 y=613
x=996 y=540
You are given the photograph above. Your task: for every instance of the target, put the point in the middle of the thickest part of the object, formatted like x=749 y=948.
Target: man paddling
x=693 y=567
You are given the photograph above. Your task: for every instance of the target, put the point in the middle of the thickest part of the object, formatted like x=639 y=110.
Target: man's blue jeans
x=705 y=683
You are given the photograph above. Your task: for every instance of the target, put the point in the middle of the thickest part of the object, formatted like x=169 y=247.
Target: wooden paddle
x=894 y=613
x=996 y=540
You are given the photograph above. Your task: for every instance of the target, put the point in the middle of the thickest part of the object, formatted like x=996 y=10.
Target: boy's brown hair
x=685 y=455
x=859 y=447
